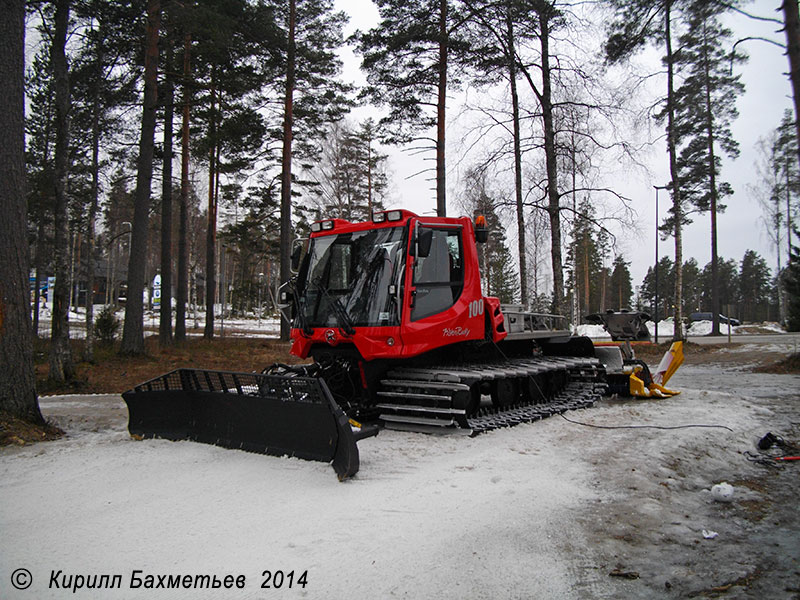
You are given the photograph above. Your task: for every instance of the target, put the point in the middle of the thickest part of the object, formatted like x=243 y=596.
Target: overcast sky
x=740 y=228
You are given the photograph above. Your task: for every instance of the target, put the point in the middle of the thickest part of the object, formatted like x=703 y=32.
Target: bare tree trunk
x=17 y=380
x=603 y=281
x=369 y=178
x=181 y=295
x=61 y=365
x=286 y=172
x=587 y=298
x=709 y=122
x=88 y=351
x=673 y=169
x=441 y=199
x=165 y=313
x=791 y=20
x=133 y=330
x=788 y=220
x=512 y=78
x=553 y=196
x=211 y=231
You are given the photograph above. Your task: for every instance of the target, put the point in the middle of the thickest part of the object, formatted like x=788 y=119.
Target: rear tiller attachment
x=627 y=375
x=268 y=414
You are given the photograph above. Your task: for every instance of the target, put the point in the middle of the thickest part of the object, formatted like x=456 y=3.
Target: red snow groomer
x=401 y=336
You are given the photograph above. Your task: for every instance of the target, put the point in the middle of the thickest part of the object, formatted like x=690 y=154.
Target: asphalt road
x=769 y=338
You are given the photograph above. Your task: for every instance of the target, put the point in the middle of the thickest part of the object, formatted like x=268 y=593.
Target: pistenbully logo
x=455 y=332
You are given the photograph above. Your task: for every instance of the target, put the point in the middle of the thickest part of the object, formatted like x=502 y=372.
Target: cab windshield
x=353 y=279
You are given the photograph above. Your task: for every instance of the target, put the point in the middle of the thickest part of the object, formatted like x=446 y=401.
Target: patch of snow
x=772 y=326
x=665 y=329
x=722 y=492
x=780 y=348
x=700 y=328
x=593 y=331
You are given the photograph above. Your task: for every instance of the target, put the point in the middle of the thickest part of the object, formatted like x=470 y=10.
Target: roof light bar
x=378 y=217
x=325 y=225
x=394 y=215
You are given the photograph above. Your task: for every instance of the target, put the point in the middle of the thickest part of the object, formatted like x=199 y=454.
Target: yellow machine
x=627 y=375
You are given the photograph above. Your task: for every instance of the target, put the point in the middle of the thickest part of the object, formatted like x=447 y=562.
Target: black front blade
x=268 y=414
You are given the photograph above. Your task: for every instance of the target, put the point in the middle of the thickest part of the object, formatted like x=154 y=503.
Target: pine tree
x=496 y=34
x=666 y=284
x=62 y=367
x=133 y=328
x=621 y=291
x=585 y=256
x=498 y=272
x=705 y=109
x=235 y=51
x=791 y=283
x=692 y=290
x=728 y=285
x=17 y=378
x=754 y=287
x=40 y=131
x=786 y=191
x=408 y=58
x=313 y=97
x=791 y=28
x=639 y=22
x=102 y=84
x=350 y=176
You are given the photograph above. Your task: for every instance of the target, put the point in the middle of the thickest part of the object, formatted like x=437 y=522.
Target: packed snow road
x=551 y=509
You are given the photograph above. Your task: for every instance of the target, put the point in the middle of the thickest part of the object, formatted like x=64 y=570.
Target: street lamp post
x=655 y=311
x=223 y=260
x=260 y=284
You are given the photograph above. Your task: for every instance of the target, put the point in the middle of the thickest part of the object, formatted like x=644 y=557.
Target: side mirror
x=297 y=254
x=286 y=299
x=424 y=241
x=286 y=302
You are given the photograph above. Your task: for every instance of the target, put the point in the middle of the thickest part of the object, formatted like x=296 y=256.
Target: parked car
x=707 y=316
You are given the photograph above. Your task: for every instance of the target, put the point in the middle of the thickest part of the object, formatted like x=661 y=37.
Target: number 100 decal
x=476 y=308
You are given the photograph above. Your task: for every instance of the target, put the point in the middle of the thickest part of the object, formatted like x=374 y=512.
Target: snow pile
x=666 y=327
x=593 y=331
x=772 y=326
x=722 y=492
x=705 y=327
x=700 y=328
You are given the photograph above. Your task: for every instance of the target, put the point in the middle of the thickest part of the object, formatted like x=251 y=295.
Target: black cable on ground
x=762 y=459
x=646 y=426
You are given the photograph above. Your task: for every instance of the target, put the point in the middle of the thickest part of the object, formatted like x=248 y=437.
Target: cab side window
x=439 y=277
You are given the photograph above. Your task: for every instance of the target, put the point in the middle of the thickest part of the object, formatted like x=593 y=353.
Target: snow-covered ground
x=542 y=510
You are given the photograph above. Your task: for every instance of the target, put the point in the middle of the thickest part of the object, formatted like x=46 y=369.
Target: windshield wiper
x=345 y=323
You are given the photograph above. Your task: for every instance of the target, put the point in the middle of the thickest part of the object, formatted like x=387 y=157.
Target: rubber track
x=433 y=399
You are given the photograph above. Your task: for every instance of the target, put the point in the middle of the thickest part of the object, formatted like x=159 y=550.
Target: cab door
x=440 y=313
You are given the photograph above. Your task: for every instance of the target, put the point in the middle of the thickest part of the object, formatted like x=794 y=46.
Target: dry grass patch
x=113 y=373
x=16 y=432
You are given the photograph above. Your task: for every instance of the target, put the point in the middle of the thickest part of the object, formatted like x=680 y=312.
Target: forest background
x=179 y=147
